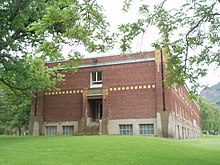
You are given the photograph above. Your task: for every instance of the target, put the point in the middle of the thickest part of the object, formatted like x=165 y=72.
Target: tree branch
x=13 y=88
x=162 y=3
x=17 y=10
x=203 y=19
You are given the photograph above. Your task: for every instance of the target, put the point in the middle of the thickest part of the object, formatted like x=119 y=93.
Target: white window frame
x=146 y=129
x=68 y=130
x=176 y=108
x=174 y=86
x=194 y=122
x=183 y=113
x=126 y=129
x=181 y=92
x=51 y=130
x=97 y=83
x=180 y=111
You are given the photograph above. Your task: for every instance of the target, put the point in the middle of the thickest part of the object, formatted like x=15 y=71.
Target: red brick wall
x=189 y=109
x=132 y=103
x=129 y=74
x=115 y=75
x=62 y=107
x=122 y=104
x=139 y=103
x=78 y=80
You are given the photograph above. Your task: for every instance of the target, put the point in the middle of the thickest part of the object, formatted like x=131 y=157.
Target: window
x=180 y=111
x=178 y=132
x=126 y=129
x=180 y=91
x=176 y=108
x=146 y=129
x=96 y=79
x=194 y=122
x=51 y=130
x=68 y=130
x=174 y=86
x=183 y=95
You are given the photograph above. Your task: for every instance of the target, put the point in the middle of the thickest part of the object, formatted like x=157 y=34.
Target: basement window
x=51 y=130
x=146 y=129
x=68 y=130
x=126 y=129
x=96 y=79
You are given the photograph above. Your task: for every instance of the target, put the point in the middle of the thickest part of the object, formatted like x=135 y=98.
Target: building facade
x=116 y=95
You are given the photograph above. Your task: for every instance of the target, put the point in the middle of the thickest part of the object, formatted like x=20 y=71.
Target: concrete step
x=91 y=130
x=95 y=123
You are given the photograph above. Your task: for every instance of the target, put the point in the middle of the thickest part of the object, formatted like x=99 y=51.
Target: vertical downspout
x=162 y=74
x=35 y=106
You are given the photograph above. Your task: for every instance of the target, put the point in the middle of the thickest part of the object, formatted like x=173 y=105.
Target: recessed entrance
x=95 y=109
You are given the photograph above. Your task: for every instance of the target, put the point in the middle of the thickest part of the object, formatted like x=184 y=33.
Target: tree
x=189 y=36
x=32 y=32
x=14 y=113
x=210 y=116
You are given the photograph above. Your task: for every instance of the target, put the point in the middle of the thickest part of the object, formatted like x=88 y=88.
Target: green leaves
x=190 y=33
x=209 y=114
x=130 y=31
x=73 y=23
x=32 y=32
x=14 y=112
x=126 y=5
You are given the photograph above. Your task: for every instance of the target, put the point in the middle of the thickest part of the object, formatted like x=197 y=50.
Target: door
x=98 y=110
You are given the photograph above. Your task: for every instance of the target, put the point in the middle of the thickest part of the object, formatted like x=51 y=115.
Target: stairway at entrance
x=92 y=128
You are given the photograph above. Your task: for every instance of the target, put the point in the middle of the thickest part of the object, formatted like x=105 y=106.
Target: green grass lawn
x=110 y=150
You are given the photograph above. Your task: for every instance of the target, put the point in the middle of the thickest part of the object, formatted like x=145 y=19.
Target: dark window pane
x=126 y=129
x=146 y=129
x=68 y=130
x=51 y=130
x=93 y=76
x=99 y=76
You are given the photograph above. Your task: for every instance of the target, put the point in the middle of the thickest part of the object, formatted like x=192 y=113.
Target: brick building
x=116 y=95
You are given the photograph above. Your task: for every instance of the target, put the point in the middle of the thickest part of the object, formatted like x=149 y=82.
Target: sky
x=115 y=16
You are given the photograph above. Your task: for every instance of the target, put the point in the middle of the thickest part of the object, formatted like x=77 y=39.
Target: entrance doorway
x=98 y=110
x=95 y=110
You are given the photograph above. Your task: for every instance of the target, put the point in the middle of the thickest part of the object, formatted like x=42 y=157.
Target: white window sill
x=96 y=86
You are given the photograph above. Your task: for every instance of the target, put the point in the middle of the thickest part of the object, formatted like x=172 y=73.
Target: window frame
x=180 y=111
x=95 y=83
x=175 y=86
x=68 y=131
x=51 y=132
x=176 y=108
x=148 y=130
x=126 y=131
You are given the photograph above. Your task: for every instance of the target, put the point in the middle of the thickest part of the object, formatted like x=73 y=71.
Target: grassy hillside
x=108 y=150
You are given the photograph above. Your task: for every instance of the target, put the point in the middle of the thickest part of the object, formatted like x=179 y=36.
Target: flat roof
x=104 y=55
x=114 y=63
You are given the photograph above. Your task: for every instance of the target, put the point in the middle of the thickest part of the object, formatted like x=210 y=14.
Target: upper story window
x=180 y=93
x=176 y=108
x=96 y=79
x=174 y=86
